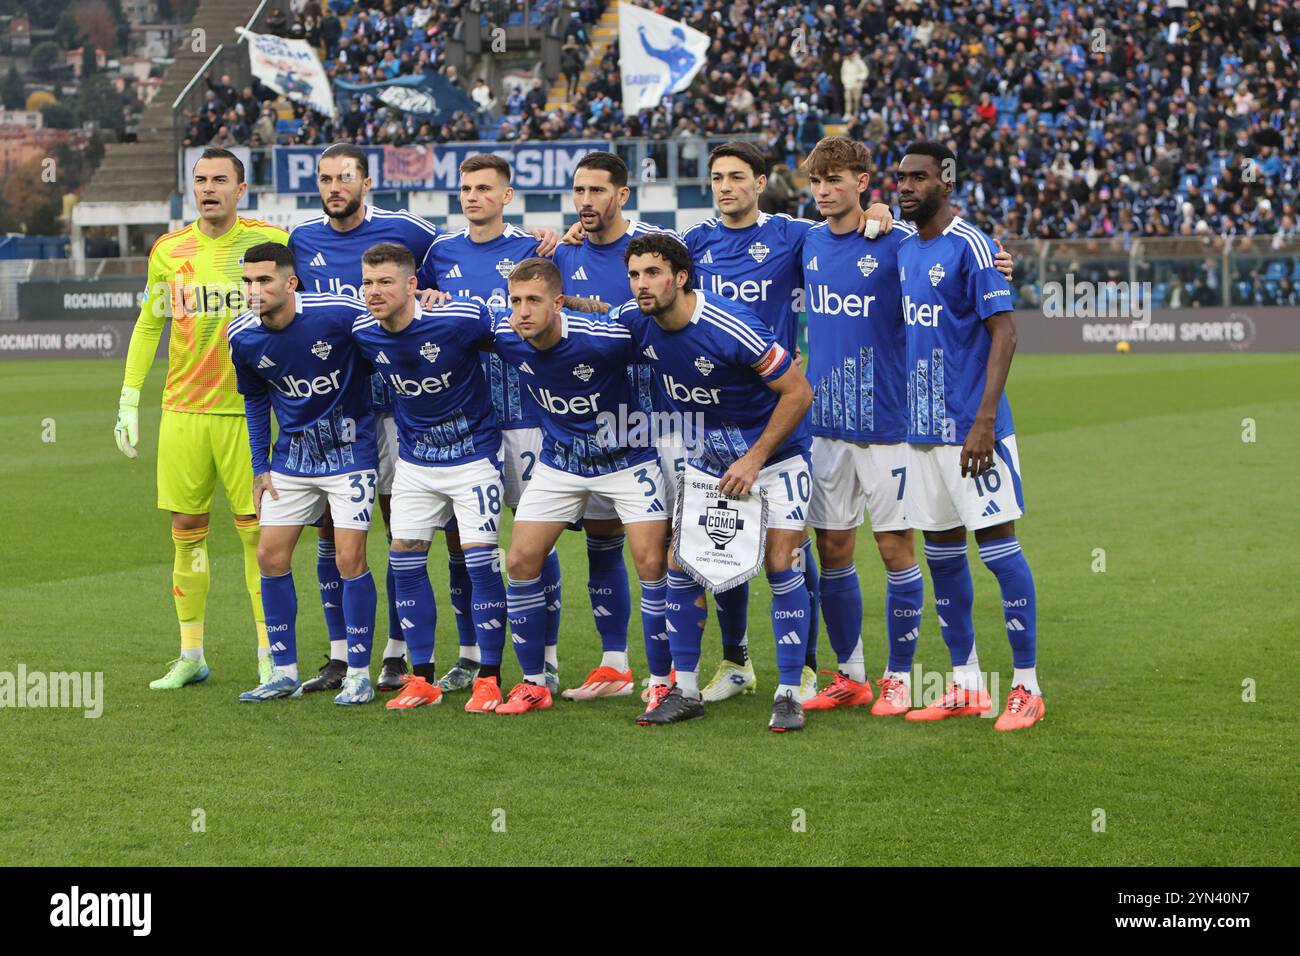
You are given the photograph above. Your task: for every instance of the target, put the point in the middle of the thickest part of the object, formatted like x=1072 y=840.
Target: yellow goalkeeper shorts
x=194 y=452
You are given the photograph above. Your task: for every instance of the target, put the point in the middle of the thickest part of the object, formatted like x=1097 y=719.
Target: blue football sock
x=331 y=590
x=611 y=599
x=359 y=605
x=280 y=605
x=684 y=618
x=526 y=607
x=488 y=603
x=841 y=601
x=1005 y=559
x=813 y=584
x=789 y=622
x=954 y=598
x=418 y=609
x=390 y=596
x=733 y=621
x=904 y=598
x=658 y=655
x=552 y=579
x=459 y=587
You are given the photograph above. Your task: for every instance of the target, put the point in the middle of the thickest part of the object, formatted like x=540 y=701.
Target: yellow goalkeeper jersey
x=198 y=283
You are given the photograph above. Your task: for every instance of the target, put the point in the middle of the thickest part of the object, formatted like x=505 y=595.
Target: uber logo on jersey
x=559 y=405
x=684 y=393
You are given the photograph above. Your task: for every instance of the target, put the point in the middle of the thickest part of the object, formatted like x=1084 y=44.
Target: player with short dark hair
x=448 y=447
x=476 y=262
x=964 y=467
x=294 y=354
x=195 y=281
x=715 y=359
x=591 y=263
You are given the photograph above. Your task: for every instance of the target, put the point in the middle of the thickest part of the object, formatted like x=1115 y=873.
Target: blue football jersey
x=599 y=272
x=757 y=266
x=581 y=385
x=950 y=287
x=718 y=367
x=314 y=379
x=440 y=398
x=457 y=264
x=857 y=349
x=330 y=261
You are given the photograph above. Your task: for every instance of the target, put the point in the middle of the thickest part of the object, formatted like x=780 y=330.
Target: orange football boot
x=841 y=692
x=1023 y=710
x=955 y=702
x=525 y=697
x=648 y=694
x=602 y=682
x=485 y=698
x=415 y=692
x=654 y=694
x=895 y=698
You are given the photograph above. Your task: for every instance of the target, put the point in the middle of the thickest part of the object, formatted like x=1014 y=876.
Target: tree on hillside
x=89 y=63
x=96 y=24
x=13 y=93
x=99 y=100
x=26 y=191
x=45 y=56
x=59 y=116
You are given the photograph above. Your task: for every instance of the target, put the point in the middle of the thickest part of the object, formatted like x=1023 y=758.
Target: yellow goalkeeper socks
x=190 y=582
x=248 y=530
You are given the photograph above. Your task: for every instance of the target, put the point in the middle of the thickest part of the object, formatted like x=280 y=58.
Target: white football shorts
x=852 y=479
x=427 y=497
x=634 y=494
x=302 y=499
x=937 y=497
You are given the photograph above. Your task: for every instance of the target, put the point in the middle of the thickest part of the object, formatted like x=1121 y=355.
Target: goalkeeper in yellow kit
x=196 y=280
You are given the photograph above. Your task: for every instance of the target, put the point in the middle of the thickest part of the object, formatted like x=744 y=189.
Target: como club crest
x=505 y=267
x=430 y=351
x=759 y=252
x=867 y=265
x=720 y=523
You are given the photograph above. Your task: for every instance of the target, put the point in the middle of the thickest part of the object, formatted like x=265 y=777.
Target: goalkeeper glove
x=127 y=430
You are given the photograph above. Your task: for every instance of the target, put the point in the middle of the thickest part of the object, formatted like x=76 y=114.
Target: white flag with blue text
x=657 y=56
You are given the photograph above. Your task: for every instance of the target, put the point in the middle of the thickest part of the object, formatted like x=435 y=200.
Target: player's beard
x=348 y=210
x=924 y=210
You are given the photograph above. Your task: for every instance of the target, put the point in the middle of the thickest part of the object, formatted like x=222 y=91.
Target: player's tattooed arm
x=977 y=450
x=1004 y=263
x=796 y=397
x=547 y=240
x=262 y=485
x=575 y=235
x=581 y=304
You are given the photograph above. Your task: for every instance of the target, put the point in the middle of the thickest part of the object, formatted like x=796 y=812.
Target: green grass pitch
x=1144 y=667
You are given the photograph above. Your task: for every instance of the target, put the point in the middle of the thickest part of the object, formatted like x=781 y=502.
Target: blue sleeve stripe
x=733 y=326
x=976 y=240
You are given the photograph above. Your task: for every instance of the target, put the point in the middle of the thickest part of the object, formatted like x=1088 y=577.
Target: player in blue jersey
x=594 y=268
x=856 y=354
x=574 y=367
x=448 y=446
x=964 y=470
x=714 y=359
x=293 y=354
x=476 y=262
x=753 y=258
x=328 y=250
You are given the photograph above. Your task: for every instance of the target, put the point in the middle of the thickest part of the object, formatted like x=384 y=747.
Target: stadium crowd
x=1069 y=120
